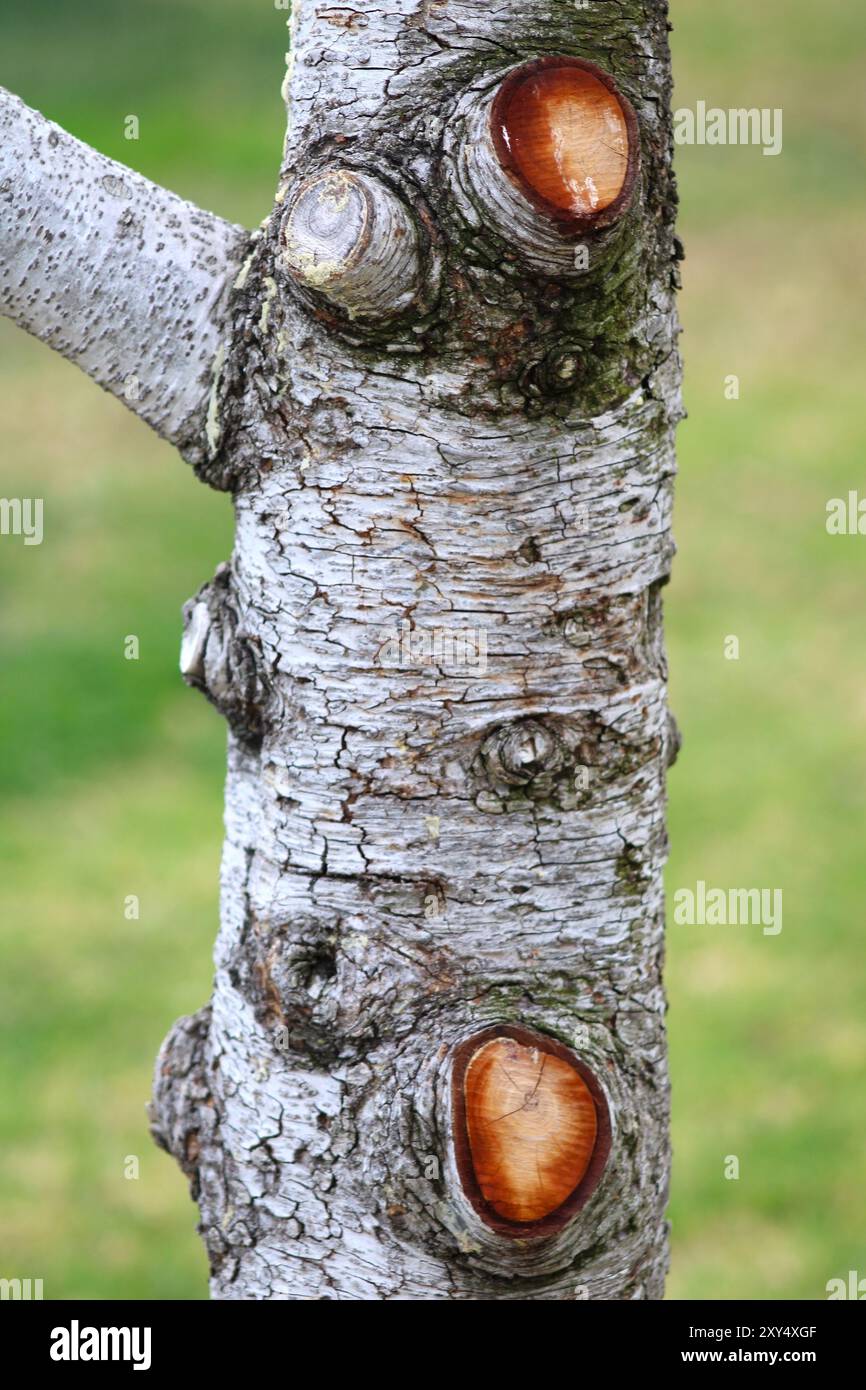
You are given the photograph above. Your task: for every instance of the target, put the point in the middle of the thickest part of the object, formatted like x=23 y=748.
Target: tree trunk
x=444 y=405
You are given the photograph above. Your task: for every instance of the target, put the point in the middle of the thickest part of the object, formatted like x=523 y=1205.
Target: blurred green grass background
x=112 y=771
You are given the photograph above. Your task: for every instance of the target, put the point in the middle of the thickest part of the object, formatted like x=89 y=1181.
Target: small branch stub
x=194 y=644
x=531 y=1130
x=219 y=659
x=517 y=753
x=548 y=159
x=349 y=238
x=568 y=138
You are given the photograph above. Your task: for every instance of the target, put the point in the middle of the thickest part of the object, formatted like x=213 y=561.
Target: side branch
x=122 y=277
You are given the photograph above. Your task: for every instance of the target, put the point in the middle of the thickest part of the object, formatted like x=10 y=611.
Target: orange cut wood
x=563 y=130
x=531 y=1125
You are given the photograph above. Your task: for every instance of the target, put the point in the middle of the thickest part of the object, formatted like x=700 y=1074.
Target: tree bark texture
x=122 y=277
x=461 y=426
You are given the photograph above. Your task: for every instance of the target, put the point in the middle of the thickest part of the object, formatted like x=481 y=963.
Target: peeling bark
x=422 y=848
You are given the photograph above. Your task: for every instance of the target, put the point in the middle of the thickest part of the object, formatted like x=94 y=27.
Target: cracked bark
x=418 y=852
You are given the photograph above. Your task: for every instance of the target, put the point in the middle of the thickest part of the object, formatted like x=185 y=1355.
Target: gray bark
x=124 y=278
x=471 y=435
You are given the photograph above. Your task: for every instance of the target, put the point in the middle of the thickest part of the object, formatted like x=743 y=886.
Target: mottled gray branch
x=122 y=277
